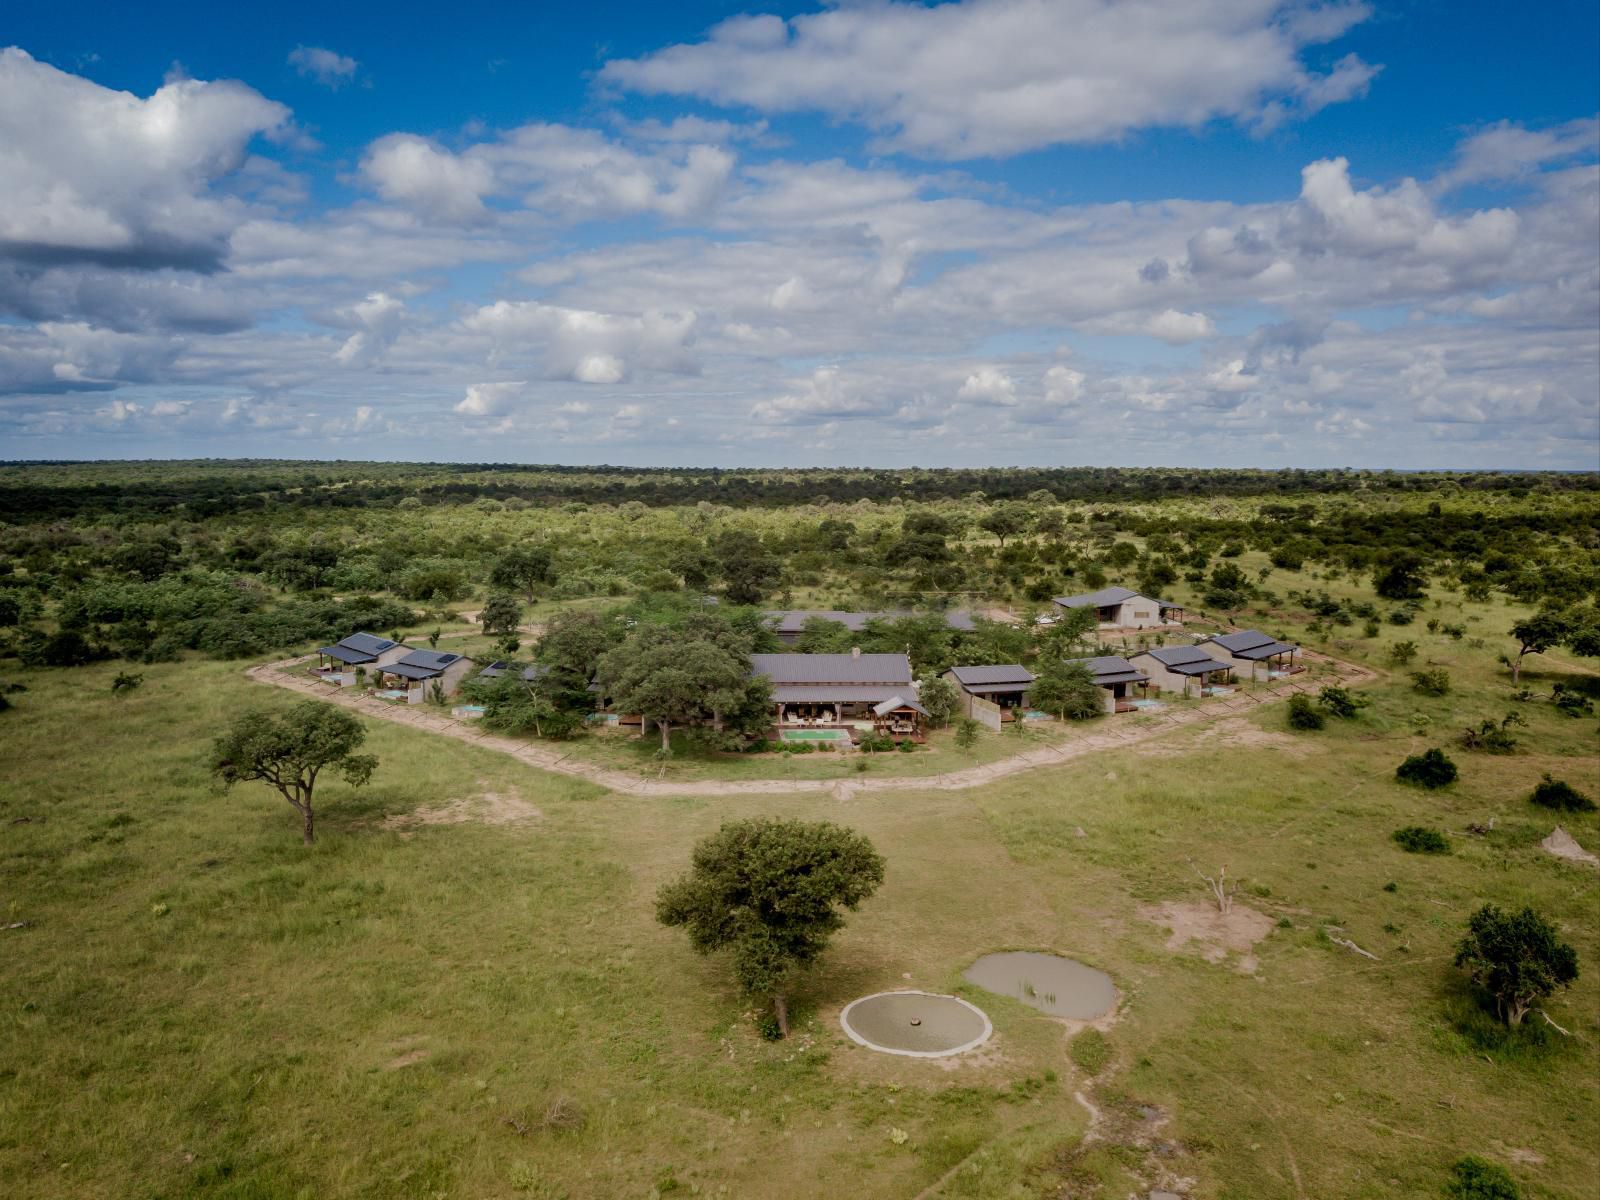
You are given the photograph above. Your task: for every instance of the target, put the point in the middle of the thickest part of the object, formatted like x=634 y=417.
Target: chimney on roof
x=855 y=651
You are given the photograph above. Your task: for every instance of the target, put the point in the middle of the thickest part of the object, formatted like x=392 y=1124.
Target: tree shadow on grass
x=1468 y=1025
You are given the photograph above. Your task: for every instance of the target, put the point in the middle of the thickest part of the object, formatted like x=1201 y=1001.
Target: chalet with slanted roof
x=1004 y=685
x=1123 y=608
x=1187 y=670
x=1118 y=677
x=337 y=663
x=838 y=691
x=415 y=674
x=1252 y=652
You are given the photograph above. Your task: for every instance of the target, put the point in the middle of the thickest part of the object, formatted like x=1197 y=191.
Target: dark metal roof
x=531 y=674
x=368 y=643
x=834 y=693
x=1270 y=650
x=1106 y=597
x=1112 y=668
x=894 y=703
x=1252 y=644
x=422 y=664
x=348 y=656
x=408 y=671
x=1185 y=660
x=891 y=669
x=1245 y=639
x=991 y=675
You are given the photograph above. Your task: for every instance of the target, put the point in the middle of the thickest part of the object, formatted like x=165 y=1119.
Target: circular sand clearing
x=1052 y=984
x=918 y=1024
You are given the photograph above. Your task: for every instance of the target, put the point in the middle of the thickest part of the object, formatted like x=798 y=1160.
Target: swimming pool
x=1033 y=714
x=469 y=711
x=814 y=735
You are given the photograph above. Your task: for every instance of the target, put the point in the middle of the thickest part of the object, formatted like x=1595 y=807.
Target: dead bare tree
x=1223 y=889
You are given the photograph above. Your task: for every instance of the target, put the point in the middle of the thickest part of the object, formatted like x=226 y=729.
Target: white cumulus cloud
x=325 y=66
x=993 y=77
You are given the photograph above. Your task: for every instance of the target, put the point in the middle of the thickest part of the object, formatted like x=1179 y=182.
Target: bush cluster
x=1419 y=839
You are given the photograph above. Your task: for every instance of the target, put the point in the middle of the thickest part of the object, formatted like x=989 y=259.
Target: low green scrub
x=1419 y=839
x=1560 y=795
x=1303 y=714
x=1474 y=1178
x=1431 y=769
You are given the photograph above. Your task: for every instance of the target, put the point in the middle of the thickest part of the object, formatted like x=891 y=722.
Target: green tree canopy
x=289 y=750
x=501 y=615
x=1518 y=958
x=676 y=675
x=1068 y=689
x=749 y=571
x=771 y=891
x=523 y=569
x=938 y=695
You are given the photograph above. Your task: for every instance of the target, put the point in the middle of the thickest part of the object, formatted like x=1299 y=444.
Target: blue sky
x=987 y=231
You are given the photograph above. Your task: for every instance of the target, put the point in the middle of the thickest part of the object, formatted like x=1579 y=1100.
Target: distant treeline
x=210 y=488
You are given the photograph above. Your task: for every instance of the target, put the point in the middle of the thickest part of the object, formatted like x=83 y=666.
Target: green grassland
x=197 y=1005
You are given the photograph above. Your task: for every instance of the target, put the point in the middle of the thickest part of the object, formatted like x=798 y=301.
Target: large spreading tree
x=771 y=891
x=289 y=750
x=523 y=569
x=693 y=672
x=1517 y=957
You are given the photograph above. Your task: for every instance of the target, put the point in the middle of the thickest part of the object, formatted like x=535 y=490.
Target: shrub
x=1341 y=702
x=1419 y=839
x=1558 y=794
x=1492 y=737
x=967 y=731
x=1401 y=653
x=1430 y=769
x=1477 y=1178
x=1431 y=683
x=1303 y=714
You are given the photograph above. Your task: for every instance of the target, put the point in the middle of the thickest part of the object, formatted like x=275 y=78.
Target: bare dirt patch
x=1237 y=732
x=1217 y=934
x=409 y=1058
x=486 y=808
x=1563 y=845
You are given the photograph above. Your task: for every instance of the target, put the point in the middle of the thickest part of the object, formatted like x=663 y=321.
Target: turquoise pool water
x=814 y=735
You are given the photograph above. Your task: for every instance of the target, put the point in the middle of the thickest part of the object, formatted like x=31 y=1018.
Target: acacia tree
x=771 y=892
x=289 y=750
x=1549 y=628
x=1517 y=958
x=1005 y=520
x=523 y=569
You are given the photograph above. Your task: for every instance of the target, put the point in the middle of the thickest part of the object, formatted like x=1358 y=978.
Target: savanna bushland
x=461 y=989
